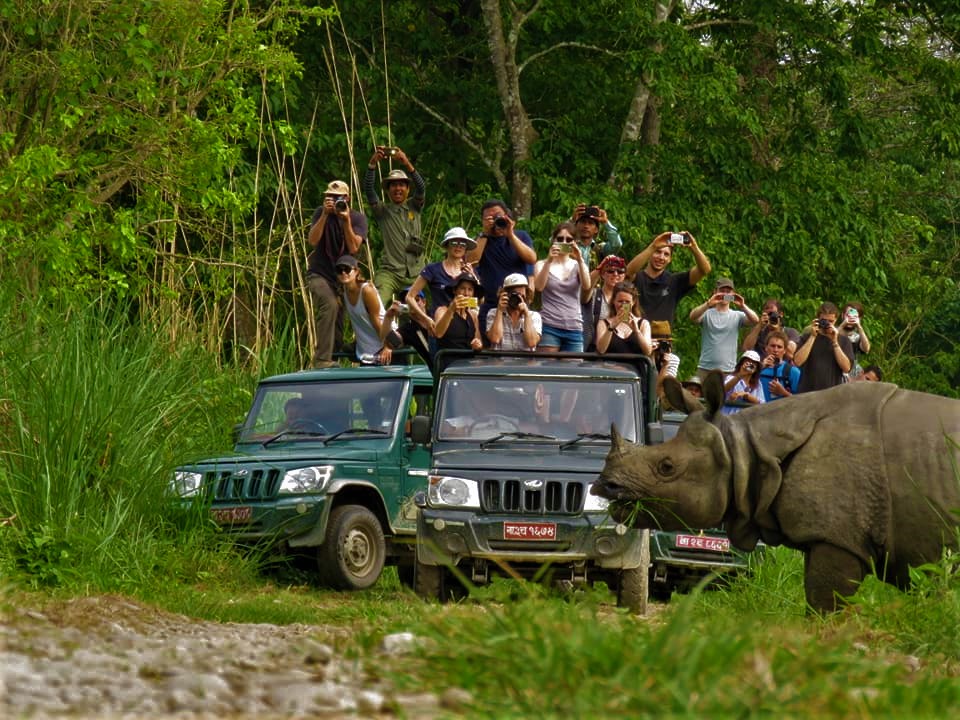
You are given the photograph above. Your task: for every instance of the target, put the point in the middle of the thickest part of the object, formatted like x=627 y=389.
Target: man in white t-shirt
x=720 y=327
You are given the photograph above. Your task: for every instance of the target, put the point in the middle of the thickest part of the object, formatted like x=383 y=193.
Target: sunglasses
x=457 y=243
x=563 y=238
x=341 y=269
x=615 y=271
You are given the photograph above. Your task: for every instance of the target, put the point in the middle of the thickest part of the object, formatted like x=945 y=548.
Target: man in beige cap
x=398 y=220
x=335 y=230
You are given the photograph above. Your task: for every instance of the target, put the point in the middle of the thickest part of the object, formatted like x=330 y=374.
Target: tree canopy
x=170 y=153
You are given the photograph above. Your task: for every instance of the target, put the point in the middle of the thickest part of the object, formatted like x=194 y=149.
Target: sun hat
x=692 y=380
x=337 y=187
x=458 y=233
x=396 y=176
x=472 y=279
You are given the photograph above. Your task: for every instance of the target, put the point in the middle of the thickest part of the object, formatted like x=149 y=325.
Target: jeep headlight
x=311 y=479
x=595 y=503
x=453 y=492
x=186 y=483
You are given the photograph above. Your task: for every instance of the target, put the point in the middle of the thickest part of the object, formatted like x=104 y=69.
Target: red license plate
x=232 y=515
x=529 y=531
x=703 y=542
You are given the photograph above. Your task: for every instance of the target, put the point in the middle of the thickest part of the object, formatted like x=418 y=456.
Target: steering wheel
x=307 y=425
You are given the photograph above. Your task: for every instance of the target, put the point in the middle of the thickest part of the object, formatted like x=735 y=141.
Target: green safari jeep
x=324 y=465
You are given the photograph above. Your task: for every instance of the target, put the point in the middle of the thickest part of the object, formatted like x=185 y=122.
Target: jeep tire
x=633 y=590
x=354 y=552
x=428 y=581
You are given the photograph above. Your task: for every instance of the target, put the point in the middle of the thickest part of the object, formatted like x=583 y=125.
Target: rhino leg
x=830 y=571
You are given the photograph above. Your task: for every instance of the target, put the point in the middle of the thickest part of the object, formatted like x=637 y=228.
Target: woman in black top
x=623 y=330
x=457 y=325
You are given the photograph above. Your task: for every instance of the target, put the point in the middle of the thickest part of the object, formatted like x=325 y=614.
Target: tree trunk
x=503 y=54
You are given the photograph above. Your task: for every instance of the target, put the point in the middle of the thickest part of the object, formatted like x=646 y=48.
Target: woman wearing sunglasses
x=623 y=330
x=563 y=281
x=743 y=386
x=365 y=310
x=440 y=278
x=611 y=271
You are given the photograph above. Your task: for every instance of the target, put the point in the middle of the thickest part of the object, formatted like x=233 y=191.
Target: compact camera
x=823 y=324
x=404 y=309
x=501 y=221
x=513 y=301
x=729 y=297
x=390 y=151
x=340 y=203
x=679 y=239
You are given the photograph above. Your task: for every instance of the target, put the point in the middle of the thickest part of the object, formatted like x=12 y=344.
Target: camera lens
x=513 y=301
x=500 y=221
x=773 y=318
x=340 y=205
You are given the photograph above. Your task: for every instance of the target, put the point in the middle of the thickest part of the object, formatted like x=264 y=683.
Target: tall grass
x=95 y=412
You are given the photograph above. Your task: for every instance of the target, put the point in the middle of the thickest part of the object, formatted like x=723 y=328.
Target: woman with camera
x=457 y=325
x=512 y=325
x=563 y=281
x=623 y=330
x=439 y=278
x=743 y=386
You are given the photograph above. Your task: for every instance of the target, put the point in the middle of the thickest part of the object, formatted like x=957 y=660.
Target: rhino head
x=684 y=483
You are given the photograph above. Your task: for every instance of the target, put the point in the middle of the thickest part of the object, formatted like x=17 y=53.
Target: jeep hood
x=534 y=458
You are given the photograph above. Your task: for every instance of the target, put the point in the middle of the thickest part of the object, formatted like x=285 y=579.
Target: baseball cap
x=337 y=187
x=749 y=355
x=348 y=260
x=515 y=280
x=422 y=295
x=724 y=282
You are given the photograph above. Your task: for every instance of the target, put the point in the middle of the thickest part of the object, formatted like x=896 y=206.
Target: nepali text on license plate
x=703 y=542
x=529 y=531
x=232 y=515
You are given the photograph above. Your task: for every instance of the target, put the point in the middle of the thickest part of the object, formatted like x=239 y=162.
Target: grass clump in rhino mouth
x=639 y=513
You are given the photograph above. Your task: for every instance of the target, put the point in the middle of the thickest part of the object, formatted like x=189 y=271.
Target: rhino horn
x=616 y=440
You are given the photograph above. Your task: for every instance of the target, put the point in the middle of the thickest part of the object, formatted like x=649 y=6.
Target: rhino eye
x=665 y=468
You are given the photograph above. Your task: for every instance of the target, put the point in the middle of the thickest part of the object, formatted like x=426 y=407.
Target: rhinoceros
x=861 y=478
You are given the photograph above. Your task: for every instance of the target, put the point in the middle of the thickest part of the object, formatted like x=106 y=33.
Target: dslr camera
x=501 y=221
x=773 y=318
x=664 y=346
x=823 y=324
x=340 y=203
x=390 y=151
x=513 y=301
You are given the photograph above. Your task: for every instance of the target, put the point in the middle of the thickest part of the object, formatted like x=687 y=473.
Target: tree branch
x=558 y=46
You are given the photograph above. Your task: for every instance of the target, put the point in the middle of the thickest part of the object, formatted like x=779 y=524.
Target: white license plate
x=529 y=531
x=232 y=515
x=703 y=542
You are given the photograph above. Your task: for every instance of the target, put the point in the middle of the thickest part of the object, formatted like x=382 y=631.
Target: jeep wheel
x=428 y=581
x=634 y=587
x=353 y=554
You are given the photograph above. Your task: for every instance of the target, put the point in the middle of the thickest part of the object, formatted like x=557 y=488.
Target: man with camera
x=513 y=325
x=501 y=250
x=335 y=230
x=720 y=327
x=661 y=290
x=822 y=353
x=589 y=219
x=398 y=220
x=771 y=319
x=413 y=330
x=778 y=376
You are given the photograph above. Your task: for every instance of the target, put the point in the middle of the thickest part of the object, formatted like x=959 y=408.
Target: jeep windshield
x=341 y=410
x=537 y=410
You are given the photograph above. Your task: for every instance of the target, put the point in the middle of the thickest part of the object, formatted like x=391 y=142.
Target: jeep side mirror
x=235 y=433
x=420 y=429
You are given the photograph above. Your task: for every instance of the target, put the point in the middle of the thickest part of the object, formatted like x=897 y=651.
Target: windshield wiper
x=298 y=433
x=355 y=431
x=585 y=436
x=515 y=434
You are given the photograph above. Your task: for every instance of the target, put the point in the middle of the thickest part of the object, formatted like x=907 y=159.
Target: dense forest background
x=160 y=160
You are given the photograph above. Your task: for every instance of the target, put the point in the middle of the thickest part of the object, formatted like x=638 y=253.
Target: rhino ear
x=713 y=392
x=678 y=398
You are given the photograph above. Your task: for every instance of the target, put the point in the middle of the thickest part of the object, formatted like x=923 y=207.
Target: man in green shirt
x=398 y=220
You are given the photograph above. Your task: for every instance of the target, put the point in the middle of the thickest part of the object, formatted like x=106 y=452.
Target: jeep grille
x=252 y=485
x=513 y=496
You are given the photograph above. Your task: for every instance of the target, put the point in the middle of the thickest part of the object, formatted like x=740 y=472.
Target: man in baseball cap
x=512 y=325
x=398 y=219
x=335 y=230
